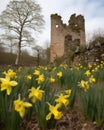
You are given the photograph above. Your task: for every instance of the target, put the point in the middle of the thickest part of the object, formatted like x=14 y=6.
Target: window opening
x=57 y=26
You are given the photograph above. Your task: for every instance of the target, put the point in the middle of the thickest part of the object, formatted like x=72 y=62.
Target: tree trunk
x=18 y=54
x=38 y=58
x=19 y=47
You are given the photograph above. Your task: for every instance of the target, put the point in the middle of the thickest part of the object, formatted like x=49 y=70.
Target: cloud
x=91 y=9
x=3 y=4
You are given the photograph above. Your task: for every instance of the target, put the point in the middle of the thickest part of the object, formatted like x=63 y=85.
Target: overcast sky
x=93 y=11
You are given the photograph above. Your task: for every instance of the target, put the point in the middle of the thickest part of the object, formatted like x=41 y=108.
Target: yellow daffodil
x=40 y=79
x=63 y=99
x=59 y=74
x=80 y=66
x=95 y=64
x=19 y=69
x=35 y=93
x=65 y=66
x=20 y=106
x=87 y=73
x=76 y=68
x=96 y=69
x=7 y=84
x=93 y=70
x=61 y=65
x=54 y=68
x=54 y=111
x=92 y=79
x=52 y=80
x=102 y=63
x=84 y=85
x=10 y=73
x=45 y=68
x=37 y=72
x=29 y=77
x=68 y=92
x=89 y=66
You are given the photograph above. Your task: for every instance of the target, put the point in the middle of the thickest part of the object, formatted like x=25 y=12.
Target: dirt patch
x=74 y=120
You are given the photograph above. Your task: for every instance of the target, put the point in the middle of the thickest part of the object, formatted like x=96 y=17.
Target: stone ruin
x=65 y=38
x=94 y=54
x=69 y=42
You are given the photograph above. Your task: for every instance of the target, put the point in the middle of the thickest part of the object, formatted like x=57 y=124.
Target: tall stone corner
x=63 y=36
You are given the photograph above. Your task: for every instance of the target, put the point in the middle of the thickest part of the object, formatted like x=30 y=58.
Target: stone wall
x=64 y=36
x=93 y=55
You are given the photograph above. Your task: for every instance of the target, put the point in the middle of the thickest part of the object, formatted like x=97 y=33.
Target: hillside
x=8 y=58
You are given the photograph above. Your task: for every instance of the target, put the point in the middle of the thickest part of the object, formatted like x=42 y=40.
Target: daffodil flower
x=29 y=77
x=19 y=69
x=40 y=79
x=20 y=106
x=7 y=84
x=68 y=92
x=45 y=68
x=87 y=73
x=54 y=111
x=89 y=66
x=63 y=99
x=92 y=79
x=59 y=74
x=52 y=80
x=10 y=73
x=84 y=85
x=37 y=72
x=35 y=94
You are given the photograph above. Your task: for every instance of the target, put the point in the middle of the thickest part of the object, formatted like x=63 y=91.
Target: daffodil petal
x=48 y=116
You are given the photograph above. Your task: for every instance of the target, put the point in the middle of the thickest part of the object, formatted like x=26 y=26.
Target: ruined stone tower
x=62 y=35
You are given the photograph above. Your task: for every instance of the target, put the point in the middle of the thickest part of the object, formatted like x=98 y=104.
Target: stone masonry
x=62 y=35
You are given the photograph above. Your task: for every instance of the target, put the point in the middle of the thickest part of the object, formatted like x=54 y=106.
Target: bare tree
x=39 y=53
x=2 y=49
x=8 y=39
x=21 y=17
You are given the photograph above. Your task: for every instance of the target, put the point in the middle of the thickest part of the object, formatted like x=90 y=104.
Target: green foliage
x=92 y=104
x=71 y=78
x=10 y=118
x=91 y=101
x=82 y=48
